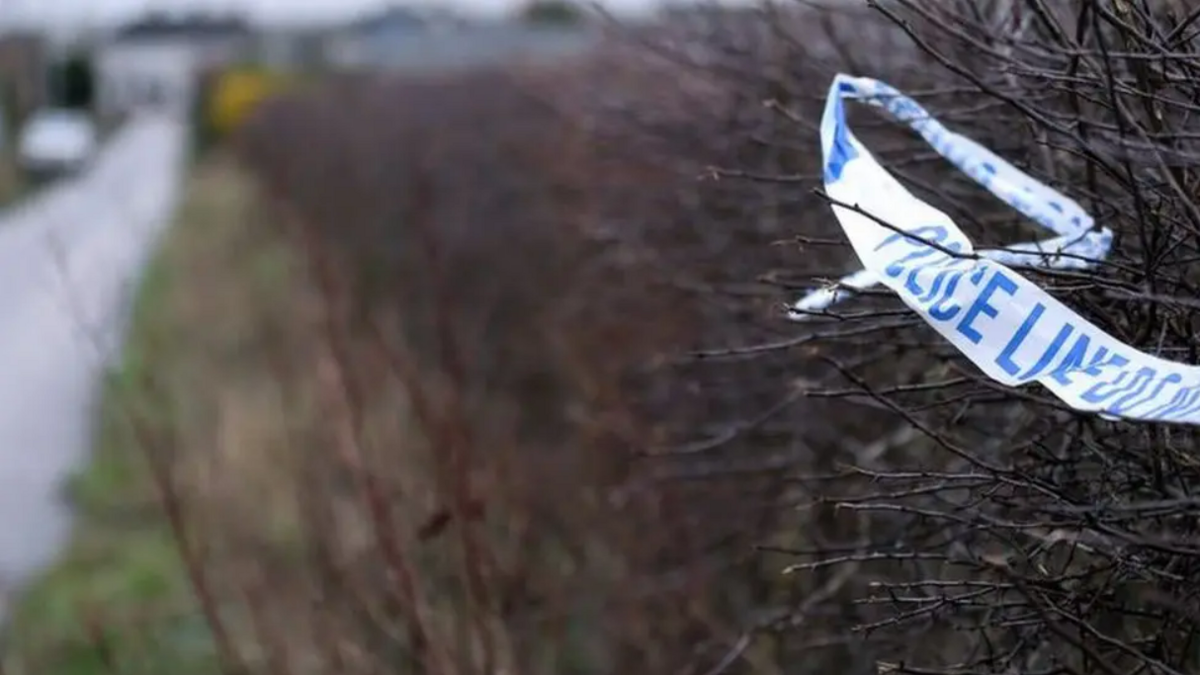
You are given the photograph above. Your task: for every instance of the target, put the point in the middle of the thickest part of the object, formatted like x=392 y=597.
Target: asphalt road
x=69 y=261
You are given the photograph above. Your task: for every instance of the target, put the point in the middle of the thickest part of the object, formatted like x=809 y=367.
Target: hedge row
x=574 y=274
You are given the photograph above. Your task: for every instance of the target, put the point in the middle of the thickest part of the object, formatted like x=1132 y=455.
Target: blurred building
x=406 y=39
x=291 y=48
x=155 y=61
x=362 y=42
x=24 y=61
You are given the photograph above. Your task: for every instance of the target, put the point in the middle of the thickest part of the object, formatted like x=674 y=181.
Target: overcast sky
x=104 y=11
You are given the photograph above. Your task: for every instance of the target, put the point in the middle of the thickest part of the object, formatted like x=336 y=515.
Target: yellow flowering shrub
x=236 y=93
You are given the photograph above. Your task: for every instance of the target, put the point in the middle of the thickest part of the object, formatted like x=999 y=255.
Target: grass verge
x=120 y=600
x=12 y=186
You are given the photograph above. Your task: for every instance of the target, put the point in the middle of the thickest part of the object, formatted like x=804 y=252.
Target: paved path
x=69 y=258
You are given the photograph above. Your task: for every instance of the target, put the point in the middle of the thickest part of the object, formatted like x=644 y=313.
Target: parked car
x=54 y=142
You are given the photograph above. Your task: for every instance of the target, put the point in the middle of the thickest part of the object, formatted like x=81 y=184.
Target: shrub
x=236 y=92
x=560 y=393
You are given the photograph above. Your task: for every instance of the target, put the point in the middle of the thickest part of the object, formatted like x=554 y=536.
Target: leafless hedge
x=846 y=493
x=1014 y=535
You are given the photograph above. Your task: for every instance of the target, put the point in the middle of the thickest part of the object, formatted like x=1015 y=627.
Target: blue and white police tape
x=1005 y=324
x=1077 y=246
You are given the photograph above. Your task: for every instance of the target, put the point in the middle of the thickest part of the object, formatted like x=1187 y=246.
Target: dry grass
x=11 y=184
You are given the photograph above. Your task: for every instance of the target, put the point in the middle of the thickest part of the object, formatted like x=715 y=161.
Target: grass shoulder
x=120 y=599
x=12 y=184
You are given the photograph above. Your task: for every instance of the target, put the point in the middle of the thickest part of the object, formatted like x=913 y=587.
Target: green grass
x=119 y=601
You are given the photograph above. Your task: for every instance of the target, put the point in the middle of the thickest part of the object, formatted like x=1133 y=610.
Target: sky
x=76 y=12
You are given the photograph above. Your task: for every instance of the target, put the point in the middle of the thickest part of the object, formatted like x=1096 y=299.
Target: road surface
x=69 y=261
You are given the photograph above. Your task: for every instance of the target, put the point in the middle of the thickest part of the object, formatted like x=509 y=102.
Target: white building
x=155 y=62
x=129 y=76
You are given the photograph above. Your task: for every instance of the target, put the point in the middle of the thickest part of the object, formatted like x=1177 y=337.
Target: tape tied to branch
x=1009 y=327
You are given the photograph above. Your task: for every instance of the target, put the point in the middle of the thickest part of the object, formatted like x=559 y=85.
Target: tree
x=551 y=12
x=73 y=82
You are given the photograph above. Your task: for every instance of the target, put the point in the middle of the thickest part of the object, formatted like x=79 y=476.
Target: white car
x=54 y=142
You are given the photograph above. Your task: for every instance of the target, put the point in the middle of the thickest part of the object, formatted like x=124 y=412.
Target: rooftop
x=164 y=25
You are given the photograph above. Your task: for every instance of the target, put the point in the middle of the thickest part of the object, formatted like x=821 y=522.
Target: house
x=155 y=61
x=23 y=74
x=402 y=40
x=365 y=41
x=482 y=43
x=291 y=48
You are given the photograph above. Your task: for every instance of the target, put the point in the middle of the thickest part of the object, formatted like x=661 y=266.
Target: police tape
x=1005 y=324
x=1078 y=244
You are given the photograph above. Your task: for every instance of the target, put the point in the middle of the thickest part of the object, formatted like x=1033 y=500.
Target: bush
x=999 y=532
x=235 y=95
x=563 y=427
x=226 y=97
